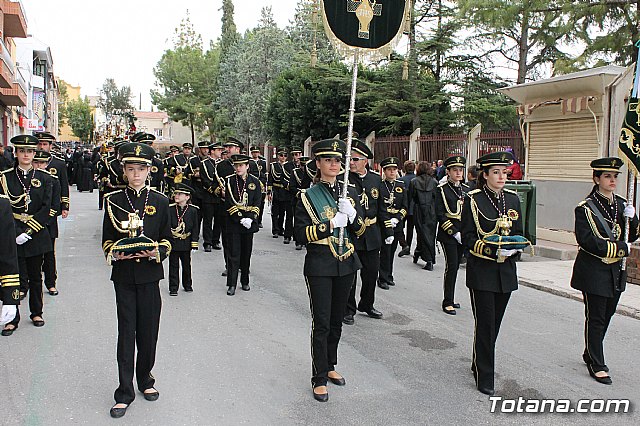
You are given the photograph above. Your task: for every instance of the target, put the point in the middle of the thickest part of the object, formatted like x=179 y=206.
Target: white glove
x=458 y=237
x=345 y=207
x=340 y=220
x=389 y=240
x=629 y=210
x=8 y=314
x=22 y=238
x=394 y=222
x=507 y=253
x=246 y=222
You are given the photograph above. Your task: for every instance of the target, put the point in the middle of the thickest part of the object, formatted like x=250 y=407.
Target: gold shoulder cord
x=13 y=199
x=474 y=210
x=592 y=223
x=458 y=212
x=243 y=202
x=309 y=209
x=114 y=221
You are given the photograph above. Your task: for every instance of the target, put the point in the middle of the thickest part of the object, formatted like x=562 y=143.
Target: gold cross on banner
x=365 y=11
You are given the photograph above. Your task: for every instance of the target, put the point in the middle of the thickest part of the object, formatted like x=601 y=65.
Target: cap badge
x=138 y=150
x=504 y=157
x=335 y=145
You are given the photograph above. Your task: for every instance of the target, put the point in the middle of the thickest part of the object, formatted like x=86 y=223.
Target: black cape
x=423 y=191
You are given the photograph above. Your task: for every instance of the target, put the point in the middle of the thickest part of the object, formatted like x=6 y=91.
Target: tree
x=527 y=34
x=307 y=34
x=482 y=103
x=79 y=117
x=229 y=35
x=115 y=101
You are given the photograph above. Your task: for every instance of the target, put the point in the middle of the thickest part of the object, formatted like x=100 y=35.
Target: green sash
x=321 y=207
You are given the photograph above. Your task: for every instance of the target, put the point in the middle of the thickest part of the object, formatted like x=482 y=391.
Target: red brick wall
x=633 y=266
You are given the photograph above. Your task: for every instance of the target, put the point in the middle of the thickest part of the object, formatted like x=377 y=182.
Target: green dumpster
x=526 y=191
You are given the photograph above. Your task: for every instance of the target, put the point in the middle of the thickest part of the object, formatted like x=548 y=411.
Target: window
x=157 y=132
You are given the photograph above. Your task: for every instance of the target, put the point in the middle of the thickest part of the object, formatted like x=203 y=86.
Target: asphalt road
x=246 y=359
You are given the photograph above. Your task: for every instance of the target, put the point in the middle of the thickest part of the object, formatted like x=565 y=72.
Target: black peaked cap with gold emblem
x=203 y=144
x=607 y=164
x=296 y=149
x=361 y=148
x=184 y=189
x=304 y=160
x=137 y=153
x=42 y=156
x=215 y=145
x=187 y=145
x=44 y=136
x=231 y=141
x=254 y=149
x=455 y=161
x=390 y=162
x=240 y=159
x=25 y=141
x=329 y=148
x=142 y=137
x=500 y=158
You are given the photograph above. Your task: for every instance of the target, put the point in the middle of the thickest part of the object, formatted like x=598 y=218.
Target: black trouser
x=453 y=253
x=138 y=307
x=219 y=216
x=262 y=200
x=175 y=259
x=49 y=267
x=327 y=299
x=225 y=240
x=598 y=311
x=101 y=199
x=488 y=311
x=406 y=242
x=208 y=212
x=31 y=281
x=239 y=248
x=387 y=252
x=281 y=210
x=368 y=275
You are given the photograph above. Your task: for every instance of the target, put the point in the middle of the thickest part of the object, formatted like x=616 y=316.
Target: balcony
x=6 y=67
x=16 y=96
x=15 y=24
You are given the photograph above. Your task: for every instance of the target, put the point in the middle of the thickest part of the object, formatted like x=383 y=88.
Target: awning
x=574 y=105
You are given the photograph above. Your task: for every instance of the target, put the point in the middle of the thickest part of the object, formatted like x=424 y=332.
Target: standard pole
x=347 y=159
x=630 y=194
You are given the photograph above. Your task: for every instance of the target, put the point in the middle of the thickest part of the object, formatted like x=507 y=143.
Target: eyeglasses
x=282 y=155
x=356 y=159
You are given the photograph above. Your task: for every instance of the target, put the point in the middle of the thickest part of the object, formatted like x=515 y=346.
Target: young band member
x=597 y=271
x=9 y=275
x=30 y=192
x=449 y=202
x=329 y=268
x=396 y=201
x=242 y=201
x=490 y=213
x=135 y=239
x=185 y=230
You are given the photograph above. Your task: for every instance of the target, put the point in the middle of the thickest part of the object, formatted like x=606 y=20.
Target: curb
x=621 y=309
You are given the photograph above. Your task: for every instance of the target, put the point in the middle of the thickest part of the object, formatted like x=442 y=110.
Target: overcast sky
x=92 y=40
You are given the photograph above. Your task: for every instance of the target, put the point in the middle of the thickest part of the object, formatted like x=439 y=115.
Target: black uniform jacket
x=193 y=173
x=242 y=204
x=185 y=227
x=173 y=165
x=449 y=200
x=224 y=169
x=9 y=276
x=58 y=167
x=395 y=200
x=56 y=204
x=258 y=168
x=314 y=232
x=278 y=182
x=210 y=185
x=33 y=218
x=479 y=219
x=300 y=180
x=156 y=176
x=597 y=266
x=115 y=172
x=157 y=226
x=375 y=213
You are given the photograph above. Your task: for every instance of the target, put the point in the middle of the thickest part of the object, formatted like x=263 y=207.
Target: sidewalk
x=553 y=276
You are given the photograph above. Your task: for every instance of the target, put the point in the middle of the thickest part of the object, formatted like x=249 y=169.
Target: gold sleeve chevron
x=34 y=225
x=388 y=224
x=311 y=233
x=481 y=250
x=194 y=244
x=12 y=280
x=167 y=245
x=403 y=212
x=363 y=227
x=106 y=247
x=446 y=226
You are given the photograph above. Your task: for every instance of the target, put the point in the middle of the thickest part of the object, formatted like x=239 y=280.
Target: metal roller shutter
x=562 y=149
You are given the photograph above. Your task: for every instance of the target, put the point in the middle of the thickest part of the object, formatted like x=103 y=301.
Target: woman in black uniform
x=490 y=213
x=597 y=272
x=329 y=268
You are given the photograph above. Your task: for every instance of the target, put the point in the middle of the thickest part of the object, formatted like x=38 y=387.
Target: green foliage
x=482 y=103
x=306 y=31
x=115 y=101
x=79 y=118
x=229 y=36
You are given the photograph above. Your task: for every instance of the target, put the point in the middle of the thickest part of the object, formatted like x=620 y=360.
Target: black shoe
x=246 y=287
x=38 y=323
x=606 y=380
x=416 y=256
x=216 y=246
x=405 y=251
x=151 y=396
x=188 y=289
x=428 y=266
x=383 y=285
x=274 y=235
x=373 y=313
x=231 y=291
x=348 y=319
x=207 y=249
x=487 y=391
x=450 y=311
x=337 y=382
x=260 y=225
x=587 y=360
x=287 y=240
x=281 y=233
x=456 y=305
x=322 y=397
x=6 y=332
x=391 y=283
x=53 y=291
x=116 y=413
x=173 y=293
x=298 y=246
x=224 y=274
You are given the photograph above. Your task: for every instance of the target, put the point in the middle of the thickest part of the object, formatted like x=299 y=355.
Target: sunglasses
x=356 y=159
x=282 y=155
